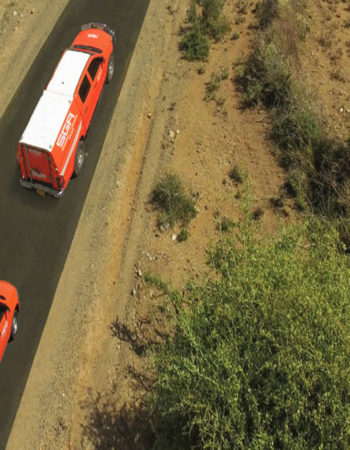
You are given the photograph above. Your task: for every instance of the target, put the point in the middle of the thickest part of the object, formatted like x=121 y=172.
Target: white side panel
x=46 y=120
x=68 y=73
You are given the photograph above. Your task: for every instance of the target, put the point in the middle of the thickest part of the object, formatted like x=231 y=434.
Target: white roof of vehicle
x=52 y=108
x=46 y=121
x=68 y=72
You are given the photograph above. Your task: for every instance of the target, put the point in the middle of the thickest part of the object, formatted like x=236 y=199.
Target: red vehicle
x=51 y=148
x=9 y=308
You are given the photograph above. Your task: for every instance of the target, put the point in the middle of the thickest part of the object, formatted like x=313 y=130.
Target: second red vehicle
x=51 y=148
x=9 y=309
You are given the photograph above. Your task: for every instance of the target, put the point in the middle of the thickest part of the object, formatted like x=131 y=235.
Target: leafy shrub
x=260 y=357
x=183 y=235
x=265 y=77
x=267 y=12
x=212 y=18
x=206 y=22
x=237 y=175
x=225 y=224
x=213 y=85
x=169 y=196
x=295 y=127
x=195 y=44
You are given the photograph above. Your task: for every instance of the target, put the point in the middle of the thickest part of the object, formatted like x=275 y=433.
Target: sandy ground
x=90 y=374
x=18 y=20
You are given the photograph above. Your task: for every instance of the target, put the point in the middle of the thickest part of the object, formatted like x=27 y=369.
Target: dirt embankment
x=90 y=373
x=18 y=20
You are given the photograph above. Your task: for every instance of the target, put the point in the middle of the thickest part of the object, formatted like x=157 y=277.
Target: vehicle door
x=95 y=71
x=90 y=89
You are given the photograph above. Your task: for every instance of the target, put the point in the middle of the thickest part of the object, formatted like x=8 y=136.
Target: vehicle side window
x=84 y=89
x=94 y=66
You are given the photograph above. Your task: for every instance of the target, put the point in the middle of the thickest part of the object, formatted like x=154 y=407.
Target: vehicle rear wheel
x=14 y=327
x=79 y=158
x=110 y=69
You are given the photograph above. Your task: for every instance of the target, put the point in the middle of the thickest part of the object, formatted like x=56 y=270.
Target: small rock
x=15 y=13
x=133 y=292
x=139 y=273
x=33 y=11
x=171 y=134
x=149 y=115
x=177 y=131
x=174 y=237
x=341 y=110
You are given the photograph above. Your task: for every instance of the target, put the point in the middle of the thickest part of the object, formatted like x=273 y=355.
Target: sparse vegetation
x=225 y=224
x=317 y=164
x=237 y=175
x=207 y=23
x=266 y=12
x=213 y=85
x=170 y=198
x=183 y=235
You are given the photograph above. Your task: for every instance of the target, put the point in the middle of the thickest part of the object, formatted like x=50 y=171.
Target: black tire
x=110 y=69
x=79 y=159
x=14 y=327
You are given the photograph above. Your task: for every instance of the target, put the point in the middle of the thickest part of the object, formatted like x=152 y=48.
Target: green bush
x=296 y=127
x=213 y=85
x=212 y=19
x=260 y=357
x=206 y=22
x=183 y=235
x=238 y=175
x=195 y=45
x=267 y=12
x=265 y=76
x=169 y=196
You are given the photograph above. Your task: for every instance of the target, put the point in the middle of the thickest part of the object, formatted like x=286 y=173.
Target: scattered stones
x=164 y=228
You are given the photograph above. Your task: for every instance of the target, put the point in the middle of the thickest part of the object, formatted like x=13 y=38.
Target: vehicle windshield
x=88 y=48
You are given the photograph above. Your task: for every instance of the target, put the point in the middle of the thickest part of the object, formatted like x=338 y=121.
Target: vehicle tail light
x=19 y=157
x=60 y=181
